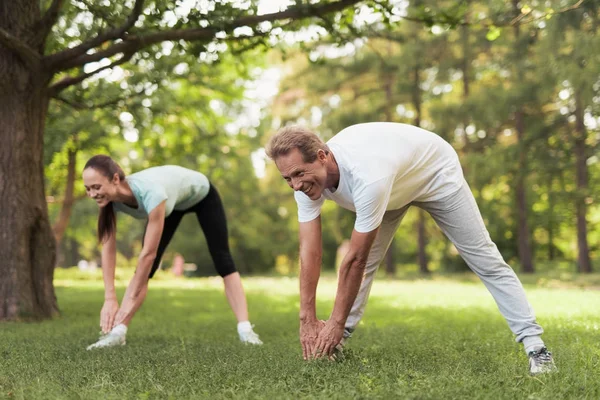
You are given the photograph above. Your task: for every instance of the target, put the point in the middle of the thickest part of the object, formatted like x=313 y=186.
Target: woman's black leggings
x=211 y=216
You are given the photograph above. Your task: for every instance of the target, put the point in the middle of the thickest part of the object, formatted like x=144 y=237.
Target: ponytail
x=106 y=223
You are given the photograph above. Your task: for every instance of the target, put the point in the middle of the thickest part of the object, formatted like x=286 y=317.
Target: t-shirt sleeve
x=153 y=196
x=307 y=208
x=370 y=201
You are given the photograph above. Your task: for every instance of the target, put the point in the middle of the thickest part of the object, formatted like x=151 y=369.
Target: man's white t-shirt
x=385 y=166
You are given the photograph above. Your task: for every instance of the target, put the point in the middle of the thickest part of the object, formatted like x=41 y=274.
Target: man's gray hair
x=295 y=137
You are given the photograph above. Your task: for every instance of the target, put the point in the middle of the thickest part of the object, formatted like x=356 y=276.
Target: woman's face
x=99 y=187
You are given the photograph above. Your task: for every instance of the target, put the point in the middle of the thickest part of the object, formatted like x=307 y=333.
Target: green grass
x=433 y=339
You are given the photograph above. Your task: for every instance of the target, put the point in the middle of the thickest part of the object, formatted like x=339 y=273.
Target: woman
x=162 y=195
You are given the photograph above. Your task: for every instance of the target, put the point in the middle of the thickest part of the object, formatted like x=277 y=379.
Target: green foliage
x=187 y=103
x=472 y=69
x=493 y=33
x=174 y=102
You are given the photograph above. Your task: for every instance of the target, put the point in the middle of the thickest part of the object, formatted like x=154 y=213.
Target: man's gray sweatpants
x=459 y=218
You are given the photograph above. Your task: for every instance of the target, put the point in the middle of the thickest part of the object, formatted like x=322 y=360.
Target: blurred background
x=513 y=86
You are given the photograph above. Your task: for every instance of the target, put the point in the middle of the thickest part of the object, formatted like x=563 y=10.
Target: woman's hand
x=107 y=315
x=128 y=309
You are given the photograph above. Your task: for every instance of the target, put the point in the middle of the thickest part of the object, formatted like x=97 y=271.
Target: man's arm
x=136 y=291
x=349 y=280
x=310 y=268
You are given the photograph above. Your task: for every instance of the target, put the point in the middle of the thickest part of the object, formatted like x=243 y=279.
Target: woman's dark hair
x=107 y=167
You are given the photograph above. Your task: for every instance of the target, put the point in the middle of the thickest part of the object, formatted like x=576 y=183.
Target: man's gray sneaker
x=338 y=352
x=541 y=362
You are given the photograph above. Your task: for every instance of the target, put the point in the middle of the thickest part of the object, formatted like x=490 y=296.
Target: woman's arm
x=109 y=260
x=138 y=286
x=111 y=305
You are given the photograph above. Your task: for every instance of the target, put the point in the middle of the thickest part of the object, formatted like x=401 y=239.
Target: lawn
x=433 y=339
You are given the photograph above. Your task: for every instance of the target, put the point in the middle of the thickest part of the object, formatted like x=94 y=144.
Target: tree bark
x=74 y=255
x=422 y=256
x=27 y=247
x=523 y=243
x=466 y=73
x=583 y=254
x=390 y=262
x=523 y=236
x=422 y=239
x=551 y=217
x=60 y=226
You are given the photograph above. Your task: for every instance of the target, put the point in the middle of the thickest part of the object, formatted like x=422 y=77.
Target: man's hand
x=309 y=331
x=107 y=314
x=329 y=337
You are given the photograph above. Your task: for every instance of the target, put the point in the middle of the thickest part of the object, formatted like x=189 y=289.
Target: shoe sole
x=103 y=347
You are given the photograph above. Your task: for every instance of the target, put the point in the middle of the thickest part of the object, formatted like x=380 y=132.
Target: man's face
x=301 y=176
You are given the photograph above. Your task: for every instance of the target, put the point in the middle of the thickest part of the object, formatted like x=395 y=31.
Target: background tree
x=47 y=47
x=486 y=80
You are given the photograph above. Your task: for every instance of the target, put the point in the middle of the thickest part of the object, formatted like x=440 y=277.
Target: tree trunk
x=27 y=247
x=551 y=204
x=422 y=257
x=390 y=262
x=583 y=255
x=523 y=243
x=61 y=224
x=74 y=255
x=464 y=66
x=466 y=59
x=523 y=237
x=422 y=239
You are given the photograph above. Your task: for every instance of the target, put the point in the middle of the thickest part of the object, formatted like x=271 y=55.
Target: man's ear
x=322 y=155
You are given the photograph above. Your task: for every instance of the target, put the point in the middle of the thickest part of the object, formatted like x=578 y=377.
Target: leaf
x=493 y=33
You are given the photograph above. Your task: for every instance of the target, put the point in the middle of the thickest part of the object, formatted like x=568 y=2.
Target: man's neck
x=333 y=173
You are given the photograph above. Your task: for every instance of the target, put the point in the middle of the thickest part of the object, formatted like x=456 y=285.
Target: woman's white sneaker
x=248 y=336
x=109 y=340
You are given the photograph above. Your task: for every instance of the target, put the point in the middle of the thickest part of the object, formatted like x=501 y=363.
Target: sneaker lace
x=542 y=356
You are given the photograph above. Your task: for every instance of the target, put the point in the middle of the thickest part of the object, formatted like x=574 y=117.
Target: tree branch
x=81 y=106
x=28 y=55
x=49 y=19
x=117 y=33
x=561 y=11
x=488 y=24
x=134 y=43
x=61 y=223
x=73 y=80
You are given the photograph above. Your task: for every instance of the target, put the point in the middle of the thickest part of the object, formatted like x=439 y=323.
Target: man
x=379 y=170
